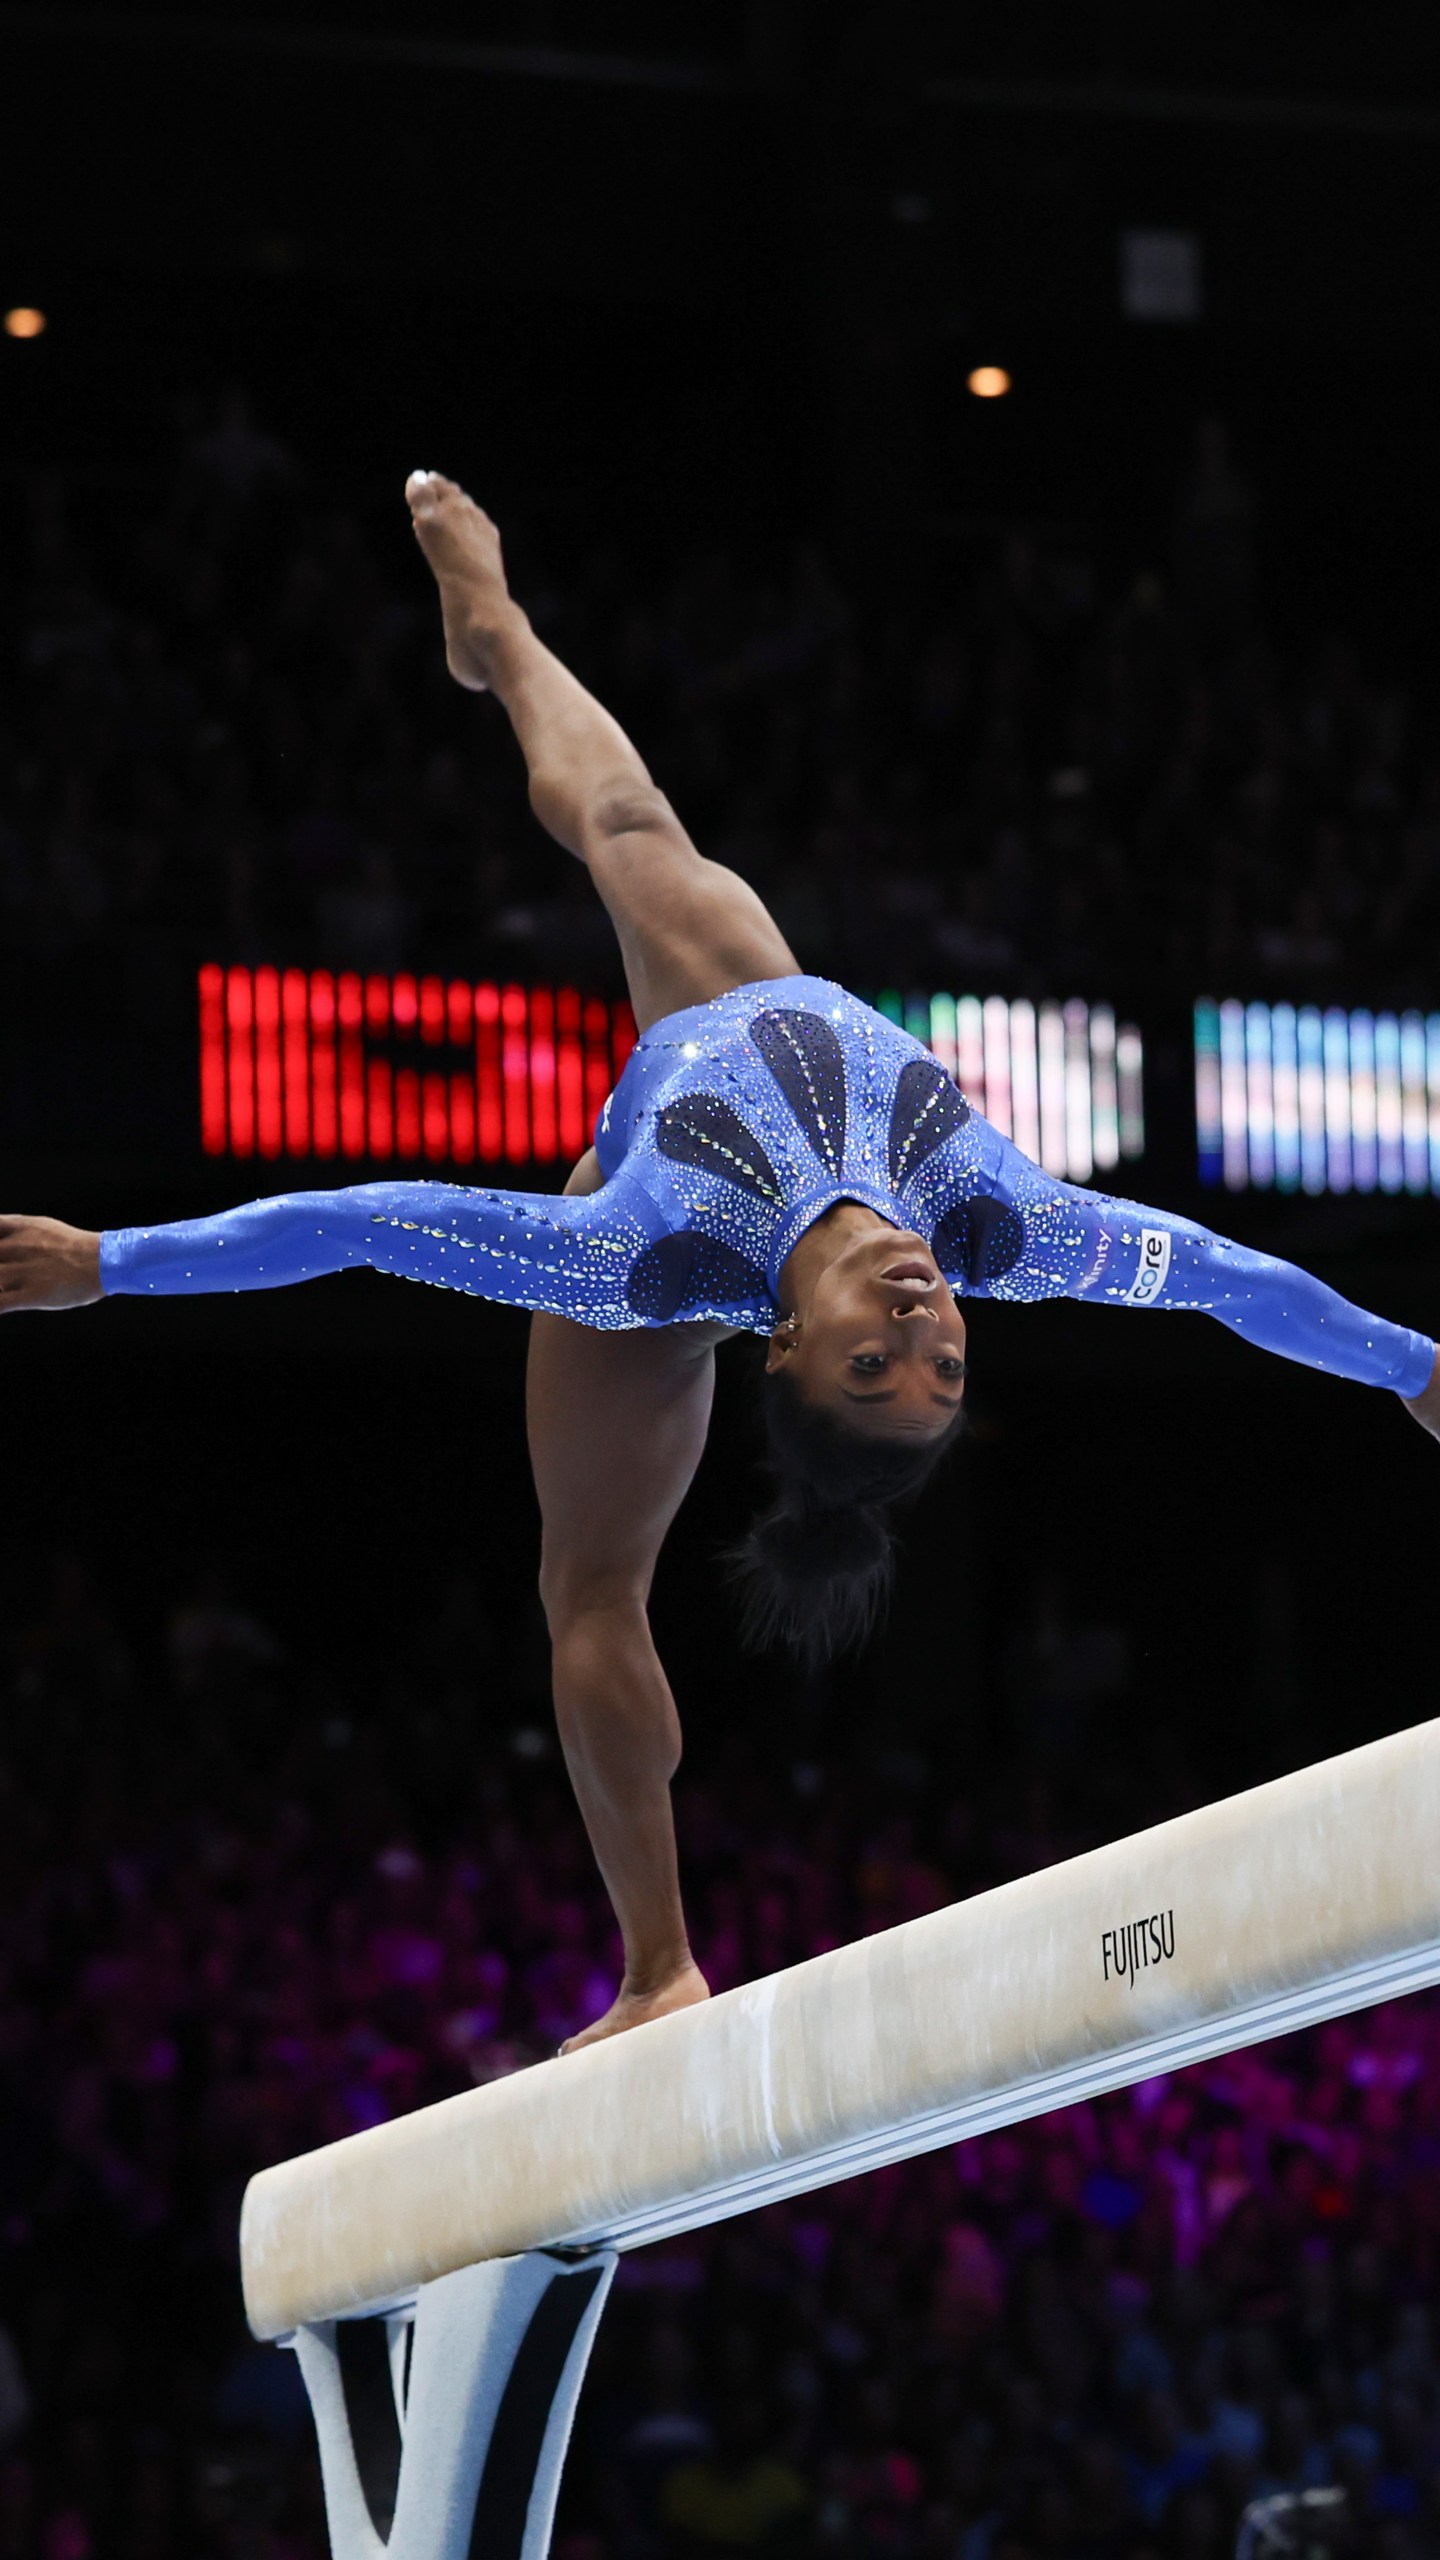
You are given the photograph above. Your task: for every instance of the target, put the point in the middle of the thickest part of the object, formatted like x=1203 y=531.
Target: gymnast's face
x=881 y=1343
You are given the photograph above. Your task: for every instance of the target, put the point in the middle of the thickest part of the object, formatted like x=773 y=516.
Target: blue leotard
x=734 y=1126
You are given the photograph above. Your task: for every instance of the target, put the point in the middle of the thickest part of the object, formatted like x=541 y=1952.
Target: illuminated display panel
x=1065 y=1081
x=1296 y=1098
x=297 y=1062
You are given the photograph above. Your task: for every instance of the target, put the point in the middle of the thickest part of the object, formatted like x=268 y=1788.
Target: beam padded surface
x=1300 y=1900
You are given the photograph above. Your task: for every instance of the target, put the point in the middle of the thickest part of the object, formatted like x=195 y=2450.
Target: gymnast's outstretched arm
x=571 y=1257
x=1143 y=1257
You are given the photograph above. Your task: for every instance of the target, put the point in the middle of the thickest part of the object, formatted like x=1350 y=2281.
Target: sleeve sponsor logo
x=1137 y=1945
x=1102 y=1256
x=1154 y=1269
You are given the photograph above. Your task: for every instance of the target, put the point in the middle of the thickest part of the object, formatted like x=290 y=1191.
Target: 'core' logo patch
x=1154 y=1267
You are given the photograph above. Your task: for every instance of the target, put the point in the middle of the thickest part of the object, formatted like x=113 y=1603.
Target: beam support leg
x=443 y=2433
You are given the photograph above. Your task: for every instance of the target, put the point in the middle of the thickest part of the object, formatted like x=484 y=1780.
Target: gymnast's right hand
x=45 y=1264
x=1426 y=1406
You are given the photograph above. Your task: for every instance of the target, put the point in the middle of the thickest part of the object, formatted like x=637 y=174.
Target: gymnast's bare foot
x=463 y=548
x=684 y=1989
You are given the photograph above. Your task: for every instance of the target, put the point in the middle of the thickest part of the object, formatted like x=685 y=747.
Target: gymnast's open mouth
x=911 y=1274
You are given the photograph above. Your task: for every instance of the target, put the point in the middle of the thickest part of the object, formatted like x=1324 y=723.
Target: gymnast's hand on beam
x=1426 y=1406
x=47 y=1265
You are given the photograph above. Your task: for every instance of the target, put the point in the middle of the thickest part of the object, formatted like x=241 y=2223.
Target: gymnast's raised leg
x=688 y=929
x=617 y=1421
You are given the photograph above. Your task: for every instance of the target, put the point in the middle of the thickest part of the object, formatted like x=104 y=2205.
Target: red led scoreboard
x=297 y=1062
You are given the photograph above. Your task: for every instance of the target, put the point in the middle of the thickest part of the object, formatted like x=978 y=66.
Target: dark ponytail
x=817 y=1565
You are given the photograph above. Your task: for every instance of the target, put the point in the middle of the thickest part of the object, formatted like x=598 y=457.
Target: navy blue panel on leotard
x=803 y=1053
x=927 y=1110
x=734 y=1127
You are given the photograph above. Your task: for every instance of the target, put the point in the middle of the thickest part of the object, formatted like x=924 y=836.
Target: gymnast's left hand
x=47 y=1265
x=1426 y=1406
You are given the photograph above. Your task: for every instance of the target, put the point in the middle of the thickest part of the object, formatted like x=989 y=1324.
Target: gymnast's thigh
x=616 y=1424
x=688 y=929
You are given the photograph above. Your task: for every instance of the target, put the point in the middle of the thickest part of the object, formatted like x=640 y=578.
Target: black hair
x=816 y=1567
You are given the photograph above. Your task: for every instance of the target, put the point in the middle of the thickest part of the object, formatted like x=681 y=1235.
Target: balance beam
x=1298 y=1901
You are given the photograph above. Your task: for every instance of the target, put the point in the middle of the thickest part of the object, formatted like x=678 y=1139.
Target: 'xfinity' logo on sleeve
x=1136 y=1945
x=1154 y=1268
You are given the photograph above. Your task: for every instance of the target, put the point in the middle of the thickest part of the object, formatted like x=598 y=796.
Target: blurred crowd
x=1031 y=765
x=254 y=1901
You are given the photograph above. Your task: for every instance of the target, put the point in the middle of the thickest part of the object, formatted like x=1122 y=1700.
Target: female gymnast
x=775 y=1158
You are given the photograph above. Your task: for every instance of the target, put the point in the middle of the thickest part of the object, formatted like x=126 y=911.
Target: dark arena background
x=988 y=459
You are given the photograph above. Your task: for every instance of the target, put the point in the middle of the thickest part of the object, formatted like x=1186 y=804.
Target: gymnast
x=776 y=1158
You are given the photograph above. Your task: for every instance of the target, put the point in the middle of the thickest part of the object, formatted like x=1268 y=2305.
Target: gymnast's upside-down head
x=863 y=1395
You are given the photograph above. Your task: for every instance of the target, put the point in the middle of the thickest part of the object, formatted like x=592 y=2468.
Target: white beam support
x=1301 y=1900
x=484 y=2376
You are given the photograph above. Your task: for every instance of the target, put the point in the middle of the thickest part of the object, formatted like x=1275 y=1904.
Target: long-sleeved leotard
x=735 y=1126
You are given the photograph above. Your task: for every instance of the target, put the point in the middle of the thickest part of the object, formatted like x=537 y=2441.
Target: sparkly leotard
x=735 y=1125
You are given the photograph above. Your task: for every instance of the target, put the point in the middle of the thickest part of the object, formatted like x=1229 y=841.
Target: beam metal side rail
x=1298 y=1901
